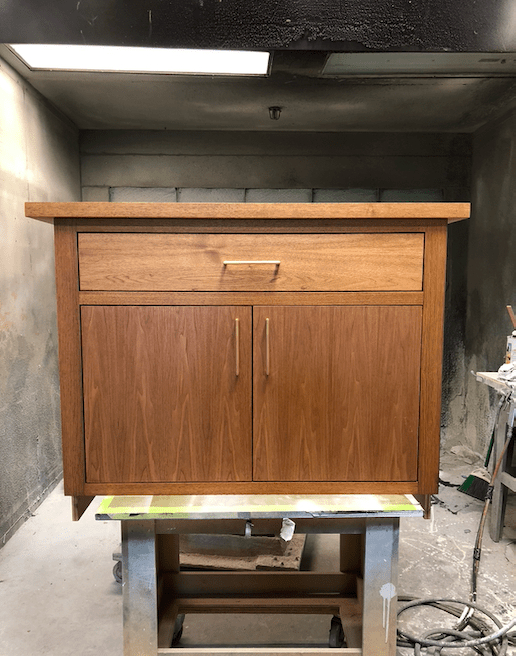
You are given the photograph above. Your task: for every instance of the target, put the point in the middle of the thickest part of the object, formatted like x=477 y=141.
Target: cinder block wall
x=39 y=161
x=273 y=160
x=299 y=167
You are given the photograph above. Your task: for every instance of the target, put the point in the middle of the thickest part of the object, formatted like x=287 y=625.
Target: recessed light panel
x=442 y=64
x=117 y=59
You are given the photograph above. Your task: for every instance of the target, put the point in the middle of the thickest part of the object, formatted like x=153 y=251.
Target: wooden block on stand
x=236 y=552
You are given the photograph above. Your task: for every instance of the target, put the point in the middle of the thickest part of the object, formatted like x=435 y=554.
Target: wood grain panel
x=251 y=224
x=161 y=396
x=251 y=298
x=160 y=262
x=341 y=402
x=431 y=360
x=448 y=211
x=67 y=291
x=260 y=487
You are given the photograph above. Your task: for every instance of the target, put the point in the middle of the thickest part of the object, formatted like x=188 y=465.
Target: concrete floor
x=58 y=596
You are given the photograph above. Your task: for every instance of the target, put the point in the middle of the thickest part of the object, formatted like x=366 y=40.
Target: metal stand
x=363 y=594
x=505 y=480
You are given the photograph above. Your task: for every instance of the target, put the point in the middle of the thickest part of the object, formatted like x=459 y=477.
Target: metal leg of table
x=498 y=505
x=499 y=500
x=380 y=570
x=380 y=587
x=140 y=614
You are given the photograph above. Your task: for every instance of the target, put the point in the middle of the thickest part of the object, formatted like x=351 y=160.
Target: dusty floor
x=58 y=596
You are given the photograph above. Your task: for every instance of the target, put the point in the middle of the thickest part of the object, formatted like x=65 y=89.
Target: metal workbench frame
x=504 y=481
x=368 y=615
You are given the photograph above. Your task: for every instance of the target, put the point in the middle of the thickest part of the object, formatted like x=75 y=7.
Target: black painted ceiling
x=417 y=25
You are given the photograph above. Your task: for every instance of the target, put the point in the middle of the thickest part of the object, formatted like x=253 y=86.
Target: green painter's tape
x=183 y=507
x=105 y=505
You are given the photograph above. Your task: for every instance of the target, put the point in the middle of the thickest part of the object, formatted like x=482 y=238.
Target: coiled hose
x=481 y=634
x=452 y=638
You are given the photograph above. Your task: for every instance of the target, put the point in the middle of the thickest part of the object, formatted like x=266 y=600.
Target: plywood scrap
x=235 y=552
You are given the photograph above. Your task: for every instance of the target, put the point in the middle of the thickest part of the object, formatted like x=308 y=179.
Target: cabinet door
x=341 y=398
x=162 y=398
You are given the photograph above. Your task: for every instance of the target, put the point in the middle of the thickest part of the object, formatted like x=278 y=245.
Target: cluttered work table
x=503 y=478
x=361 y=597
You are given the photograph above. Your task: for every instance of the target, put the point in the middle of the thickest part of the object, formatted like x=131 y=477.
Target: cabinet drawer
x=251 y=262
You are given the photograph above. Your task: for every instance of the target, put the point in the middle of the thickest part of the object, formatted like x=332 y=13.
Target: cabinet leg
x=380 y=587
x=140 y=616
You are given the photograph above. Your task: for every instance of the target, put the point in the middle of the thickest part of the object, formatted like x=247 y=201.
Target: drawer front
x=251 y=262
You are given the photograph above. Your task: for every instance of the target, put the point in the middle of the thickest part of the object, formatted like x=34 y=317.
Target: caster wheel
x=178 y=630
x=336 y=638
x=117 y=571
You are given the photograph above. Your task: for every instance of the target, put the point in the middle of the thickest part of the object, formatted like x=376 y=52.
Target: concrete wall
x=39 y=161
x=491 y=273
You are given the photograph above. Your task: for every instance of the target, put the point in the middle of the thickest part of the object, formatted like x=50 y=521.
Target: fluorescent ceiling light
x=419 y=63
x=142 y=60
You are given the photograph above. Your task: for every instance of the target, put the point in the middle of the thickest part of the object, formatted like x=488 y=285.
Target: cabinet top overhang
x=47 y=212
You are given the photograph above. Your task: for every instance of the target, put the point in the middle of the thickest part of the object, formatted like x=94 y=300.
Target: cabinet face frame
x=70 y=299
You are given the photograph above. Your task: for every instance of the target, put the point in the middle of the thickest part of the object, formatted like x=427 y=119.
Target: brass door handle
x=237 y=346
x=267 y=348
x=275 y=262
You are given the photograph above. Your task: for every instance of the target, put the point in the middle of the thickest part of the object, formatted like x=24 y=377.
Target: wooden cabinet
x=209 y=348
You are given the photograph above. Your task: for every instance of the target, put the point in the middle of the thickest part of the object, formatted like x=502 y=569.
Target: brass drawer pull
x=275 y=262
x=267 y=348
x=237 y=346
